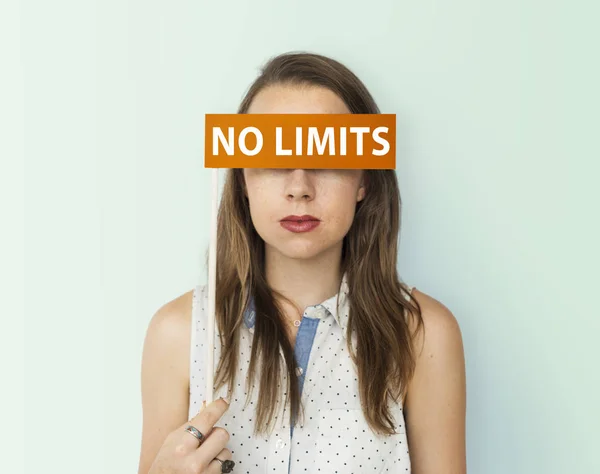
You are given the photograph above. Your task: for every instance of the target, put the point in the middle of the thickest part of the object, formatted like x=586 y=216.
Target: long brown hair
x=384 y=356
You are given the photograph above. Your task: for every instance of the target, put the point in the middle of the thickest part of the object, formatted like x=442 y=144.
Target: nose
x=299 y=185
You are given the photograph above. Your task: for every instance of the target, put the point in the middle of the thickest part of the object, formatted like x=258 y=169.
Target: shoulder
x=169 y=331
x=174 y=315
x=438 y=349
x=441 y=331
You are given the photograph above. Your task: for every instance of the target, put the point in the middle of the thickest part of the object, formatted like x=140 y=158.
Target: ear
x=362 y=189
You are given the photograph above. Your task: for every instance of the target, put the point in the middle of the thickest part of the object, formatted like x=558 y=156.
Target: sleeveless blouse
x=334 y=436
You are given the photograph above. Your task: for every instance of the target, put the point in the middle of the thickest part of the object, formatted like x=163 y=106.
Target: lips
x=299 y=224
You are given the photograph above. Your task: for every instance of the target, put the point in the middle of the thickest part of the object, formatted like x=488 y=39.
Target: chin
x=302 y=255
x=298 y=251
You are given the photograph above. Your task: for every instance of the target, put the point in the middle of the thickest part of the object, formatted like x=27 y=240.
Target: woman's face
x=329 y=196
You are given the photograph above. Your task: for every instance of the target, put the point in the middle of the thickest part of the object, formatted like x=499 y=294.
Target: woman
x=329 y=362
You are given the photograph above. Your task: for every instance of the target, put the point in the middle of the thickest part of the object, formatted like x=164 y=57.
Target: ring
x=195 y=433
x=227 y=465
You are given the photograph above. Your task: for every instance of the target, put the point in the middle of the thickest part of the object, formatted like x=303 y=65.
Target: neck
x=306 y=282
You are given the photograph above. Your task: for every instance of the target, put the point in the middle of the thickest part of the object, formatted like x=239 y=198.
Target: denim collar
x=338 y=312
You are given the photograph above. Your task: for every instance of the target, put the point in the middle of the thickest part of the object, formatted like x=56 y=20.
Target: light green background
x=498 y=123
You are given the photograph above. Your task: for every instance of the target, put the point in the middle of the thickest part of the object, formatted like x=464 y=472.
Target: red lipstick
x=298 y=224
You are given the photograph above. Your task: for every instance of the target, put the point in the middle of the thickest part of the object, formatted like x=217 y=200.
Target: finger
x=215 y=466
x=204 y=422
x=211 y=447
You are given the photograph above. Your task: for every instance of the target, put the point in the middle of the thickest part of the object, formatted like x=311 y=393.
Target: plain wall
x=497 y=110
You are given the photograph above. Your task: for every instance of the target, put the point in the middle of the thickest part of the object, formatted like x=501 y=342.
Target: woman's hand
x=183 y=453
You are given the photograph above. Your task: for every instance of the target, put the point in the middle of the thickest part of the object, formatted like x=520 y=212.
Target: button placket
x=310 y=381
x=280 y=451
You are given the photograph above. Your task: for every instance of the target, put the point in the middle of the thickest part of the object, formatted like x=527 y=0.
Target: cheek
x=261 y=205
x=257 y=202
x=255 y=190
x=343 y=207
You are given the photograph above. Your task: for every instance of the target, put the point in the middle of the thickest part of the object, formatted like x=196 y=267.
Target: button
x=320 y=313
x=280 y=443
x=299 y=371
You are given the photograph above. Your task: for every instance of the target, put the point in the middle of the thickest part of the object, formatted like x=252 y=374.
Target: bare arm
x=165 y=376
x=435 y=407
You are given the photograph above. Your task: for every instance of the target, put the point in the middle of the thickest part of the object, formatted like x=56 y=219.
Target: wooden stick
x=212 y=284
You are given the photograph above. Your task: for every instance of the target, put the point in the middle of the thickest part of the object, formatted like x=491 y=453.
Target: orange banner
x=308 y=141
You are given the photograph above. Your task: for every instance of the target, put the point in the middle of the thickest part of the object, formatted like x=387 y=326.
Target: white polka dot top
x=334 y=436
